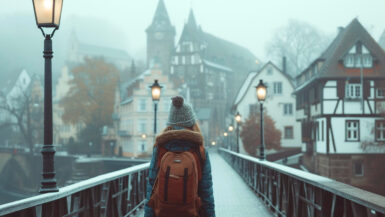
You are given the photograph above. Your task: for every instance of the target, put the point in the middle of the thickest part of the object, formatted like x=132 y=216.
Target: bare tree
x=23 y=112
x=300 y=42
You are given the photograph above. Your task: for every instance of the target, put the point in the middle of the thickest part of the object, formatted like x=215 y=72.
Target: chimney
x=284 y=65
x=340 y=28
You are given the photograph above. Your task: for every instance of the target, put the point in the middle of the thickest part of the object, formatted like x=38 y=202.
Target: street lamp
x=47 y=15
x=238 y=118
x=225 y=134
x=261 y=95
x=213 y=143
x=230 y=139
x=155 y=92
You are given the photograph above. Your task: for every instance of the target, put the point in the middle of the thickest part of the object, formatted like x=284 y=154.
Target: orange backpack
x=175 y=192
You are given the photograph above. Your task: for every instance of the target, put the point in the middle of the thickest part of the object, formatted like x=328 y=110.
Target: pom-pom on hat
x=181 y=114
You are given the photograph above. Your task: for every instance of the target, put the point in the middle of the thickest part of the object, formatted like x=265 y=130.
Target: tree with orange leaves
x=90 y=99
x=250 y=133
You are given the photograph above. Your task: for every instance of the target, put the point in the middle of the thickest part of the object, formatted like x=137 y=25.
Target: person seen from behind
x=180 y=182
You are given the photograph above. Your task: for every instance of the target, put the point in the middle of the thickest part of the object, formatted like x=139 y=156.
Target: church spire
x=161 y=20
x=191 y=20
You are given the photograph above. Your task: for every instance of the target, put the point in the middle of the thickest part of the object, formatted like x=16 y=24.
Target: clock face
x=159 y=35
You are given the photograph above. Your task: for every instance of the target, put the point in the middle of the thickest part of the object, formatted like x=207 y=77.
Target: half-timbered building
x=212 y=68
x=340 y=101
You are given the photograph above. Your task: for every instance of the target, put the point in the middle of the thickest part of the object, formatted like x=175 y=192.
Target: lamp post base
x=48 y=184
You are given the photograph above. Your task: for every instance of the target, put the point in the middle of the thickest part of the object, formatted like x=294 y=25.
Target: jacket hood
x=191 y=136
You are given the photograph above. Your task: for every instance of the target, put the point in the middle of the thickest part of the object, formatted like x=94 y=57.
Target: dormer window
x=358 y=54
x=367 y=60
x=349 y=60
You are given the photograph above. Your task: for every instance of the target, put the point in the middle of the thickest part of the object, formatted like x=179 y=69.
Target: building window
x=277 y=87
x=142 y=126
x=380 y=130
x=358 y=169
x=380 y=93
x=367 y=60
x=353 y=91
x=288 y=109
x=352 y=130
x=349 y=60
x=142 y=105
x=142 y=147
x=288 y=132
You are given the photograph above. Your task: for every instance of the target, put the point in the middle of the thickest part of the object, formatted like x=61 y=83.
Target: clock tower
x=160 y=39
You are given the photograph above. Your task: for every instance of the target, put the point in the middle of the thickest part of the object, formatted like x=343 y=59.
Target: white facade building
x=279 y=104
x=134 y=111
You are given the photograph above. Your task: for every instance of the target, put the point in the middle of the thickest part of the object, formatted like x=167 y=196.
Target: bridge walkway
x=233 y=197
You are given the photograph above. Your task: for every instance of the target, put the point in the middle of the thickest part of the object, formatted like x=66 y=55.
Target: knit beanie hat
x=181 y=114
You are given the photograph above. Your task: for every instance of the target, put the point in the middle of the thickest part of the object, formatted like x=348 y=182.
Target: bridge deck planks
x=232 y=196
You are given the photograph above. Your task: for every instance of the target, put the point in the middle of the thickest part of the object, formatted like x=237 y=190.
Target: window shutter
x=341 y=89
x=366 y=89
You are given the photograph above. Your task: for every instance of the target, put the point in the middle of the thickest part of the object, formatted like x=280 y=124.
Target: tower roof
x=191 y=20
x=161 y=20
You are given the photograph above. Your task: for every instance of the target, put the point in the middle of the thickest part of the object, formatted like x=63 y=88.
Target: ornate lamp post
x=238 y=119
x=261 y=95
x=226 y=141
x=47 y=14
x=155 y=92
x=231 y=129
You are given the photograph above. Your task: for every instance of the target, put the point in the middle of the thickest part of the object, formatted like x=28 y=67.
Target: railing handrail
x=360 y=196
x=68 y=190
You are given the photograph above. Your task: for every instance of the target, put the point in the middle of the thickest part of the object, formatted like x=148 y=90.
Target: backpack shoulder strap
x=161 y=151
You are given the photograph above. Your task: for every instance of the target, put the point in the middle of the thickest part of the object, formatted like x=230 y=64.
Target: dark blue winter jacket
x=174 y=142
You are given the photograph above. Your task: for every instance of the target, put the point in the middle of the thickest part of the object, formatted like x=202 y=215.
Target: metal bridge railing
x=119 y=193
x=290 y=192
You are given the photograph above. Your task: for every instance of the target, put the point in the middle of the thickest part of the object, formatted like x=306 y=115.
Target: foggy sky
x=251 y=23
